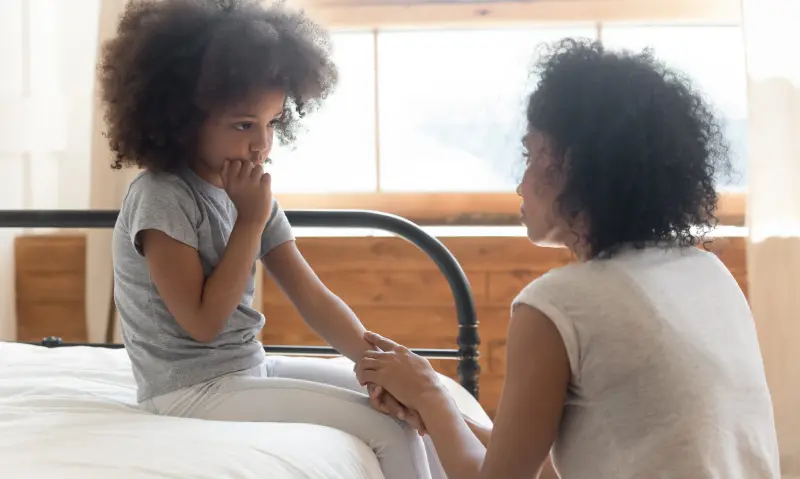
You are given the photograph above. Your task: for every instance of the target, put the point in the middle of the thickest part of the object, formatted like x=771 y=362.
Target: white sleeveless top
x=667 y=375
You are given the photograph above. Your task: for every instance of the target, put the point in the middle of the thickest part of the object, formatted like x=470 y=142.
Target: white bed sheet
x=71 y=413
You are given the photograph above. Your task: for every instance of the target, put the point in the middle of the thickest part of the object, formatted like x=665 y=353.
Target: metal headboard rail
x=468 y=339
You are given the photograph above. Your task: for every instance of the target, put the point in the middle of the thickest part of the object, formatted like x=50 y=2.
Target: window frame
x=495 y=208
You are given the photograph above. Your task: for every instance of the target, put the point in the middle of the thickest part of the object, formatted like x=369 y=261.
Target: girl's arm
x=201 y=306
x=483 y=433
x=329 y=317
x=322 y=310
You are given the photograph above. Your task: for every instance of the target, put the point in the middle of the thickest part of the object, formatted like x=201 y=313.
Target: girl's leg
x=338 y=373
x=399 y=449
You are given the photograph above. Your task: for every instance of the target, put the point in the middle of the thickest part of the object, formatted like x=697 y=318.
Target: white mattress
x=71 y=412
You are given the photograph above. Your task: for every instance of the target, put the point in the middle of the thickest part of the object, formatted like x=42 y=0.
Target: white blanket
x=71 y=413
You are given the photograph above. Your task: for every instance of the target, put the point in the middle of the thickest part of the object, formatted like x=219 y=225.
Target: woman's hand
x=408 y=377
x=384 y=402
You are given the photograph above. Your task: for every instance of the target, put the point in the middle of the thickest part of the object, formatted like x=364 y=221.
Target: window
x=451 y=106
x=427 y=120
x=713 y=57
x=336 y=153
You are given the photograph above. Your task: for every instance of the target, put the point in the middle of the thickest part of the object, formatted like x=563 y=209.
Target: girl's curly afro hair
x=173 y=62
x=639 y=148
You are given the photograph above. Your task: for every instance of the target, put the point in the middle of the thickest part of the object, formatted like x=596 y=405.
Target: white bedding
x=71 y=413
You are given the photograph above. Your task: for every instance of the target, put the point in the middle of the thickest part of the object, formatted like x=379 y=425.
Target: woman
x=640 y=359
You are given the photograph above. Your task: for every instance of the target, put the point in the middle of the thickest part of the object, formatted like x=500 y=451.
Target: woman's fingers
x=415 y=420
x=380 y=342
x=377 y=355
x=369 y=363
x=390 y=405
x=366 y=376
x=376 y=398
x=366 y=365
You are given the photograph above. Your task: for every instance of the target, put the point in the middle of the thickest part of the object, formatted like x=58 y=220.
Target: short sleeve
x=541 y=294
x=277 y=231
x=163 y=204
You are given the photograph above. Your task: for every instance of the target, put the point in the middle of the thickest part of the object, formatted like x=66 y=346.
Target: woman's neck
x=574 y=238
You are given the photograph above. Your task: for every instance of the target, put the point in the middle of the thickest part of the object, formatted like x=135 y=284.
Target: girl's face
x=240 y=132
x=539 y=189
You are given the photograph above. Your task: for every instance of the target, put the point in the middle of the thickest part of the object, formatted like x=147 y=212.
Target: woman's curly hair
x=639 y=149
x=173 y=62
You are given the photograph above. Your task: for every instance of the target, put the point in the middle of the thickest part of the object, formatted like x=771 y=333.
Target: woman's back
x=667 y=377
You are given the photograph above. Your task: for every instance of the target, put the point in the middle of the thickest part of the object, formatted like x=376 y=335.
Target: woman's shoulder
x=573 y=274
x=622 y=274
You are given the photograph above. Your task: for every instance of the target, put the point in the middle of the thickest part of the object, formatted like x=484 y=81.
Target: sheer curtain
x=771 y=38
x=47 y=58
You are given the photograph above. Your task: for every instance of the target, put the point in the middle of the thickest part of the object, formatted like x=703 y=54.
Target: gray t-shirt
x=190 y=210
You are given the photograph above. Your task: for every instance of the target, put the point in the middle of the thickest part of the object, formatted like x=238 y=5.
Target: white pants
x=307 y=390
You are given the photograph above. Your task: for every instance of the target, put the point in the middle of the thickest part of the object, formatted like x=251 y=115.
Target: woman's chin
x=544 y=240
x=547 y=243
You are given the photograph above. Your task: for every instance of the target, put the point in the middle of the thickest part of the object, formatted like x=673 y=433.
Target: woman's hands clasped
x=408 y=377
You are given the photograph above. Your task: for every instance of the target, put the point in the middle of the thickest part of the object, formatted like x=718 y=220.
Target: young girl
x=194 y=90
x=641 y=359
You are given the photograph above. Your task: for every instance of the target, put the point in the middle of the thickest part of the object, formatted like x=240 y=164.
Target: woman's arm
x=532 y=402
x=530 y=408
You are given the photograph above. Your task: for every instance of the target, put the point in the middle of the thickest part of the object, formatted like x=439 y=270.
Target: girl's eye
x=274 y=122
x=244 y=126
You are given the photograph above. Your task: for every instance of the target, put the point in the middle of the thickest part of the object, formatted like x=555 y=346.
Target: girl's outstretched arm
x=329 y=317
x=322 y=310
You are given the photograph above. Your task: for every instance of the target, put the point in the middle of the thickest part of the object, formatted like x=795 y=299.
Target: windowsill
x=468 y=214
x=466 y=232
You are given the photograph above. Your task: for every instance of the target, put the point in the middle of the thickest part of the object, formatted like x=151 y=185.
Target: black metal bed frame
x=467 y=338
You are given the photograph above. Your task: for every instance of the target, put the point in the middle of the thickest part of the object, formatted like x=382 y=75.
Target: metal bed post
x=468 y=339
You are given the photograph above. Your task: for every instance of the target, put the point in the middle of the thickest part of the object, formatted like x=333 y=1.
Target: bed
x=69 y=410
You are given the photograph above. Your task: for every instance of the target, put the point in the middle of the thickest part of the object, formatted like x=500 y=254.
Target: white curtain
x=772 y=36
x=47 y=62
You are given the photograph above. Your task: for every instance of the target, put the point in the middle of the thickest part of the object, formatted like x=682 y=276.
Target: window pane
x=713 y=56
x=451 y=106
x=335 y=153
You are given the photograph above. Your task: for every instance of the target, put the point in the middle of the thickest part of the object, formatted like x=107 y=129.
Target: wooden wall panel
x=377 y=287
x=50 y=287
x=393 y=287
